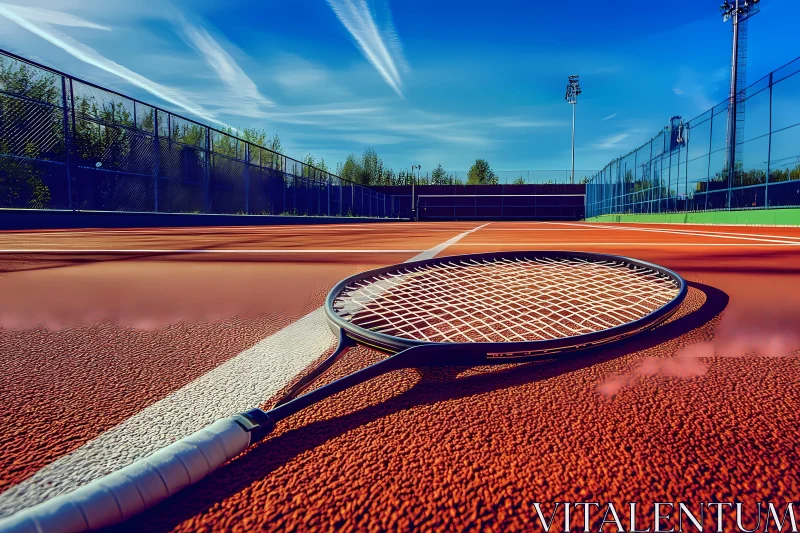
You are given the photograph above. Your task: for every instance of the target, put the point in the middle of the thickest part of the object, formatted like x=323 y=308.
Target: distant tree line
x=369 y=170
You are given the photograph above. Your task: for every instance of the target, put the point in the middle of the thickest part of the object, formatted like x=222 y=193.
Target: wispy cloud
x=704 y=90
x=300 y=78
x=90 y=56
x=520 y=123
x=373 y=139
x=378 y=42
x=609 y=117
x=53 y=17
x=612 y=141
x=305 y=80
x=240 y=87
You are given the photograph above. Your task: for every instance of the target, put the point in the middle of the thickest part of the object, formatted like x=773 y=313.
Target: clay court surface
x=115 y=342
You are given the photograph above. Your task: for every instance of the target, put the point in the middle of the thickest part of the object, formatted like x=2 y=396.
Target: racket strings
x=505 y=300
x=501 y=310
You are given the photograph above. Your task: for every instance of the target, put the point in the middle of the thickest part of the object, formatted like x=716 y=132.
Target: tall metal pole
x=413 y=182
x=732 y=105
x=738 y=11
x=573 y=90
x=572 y=176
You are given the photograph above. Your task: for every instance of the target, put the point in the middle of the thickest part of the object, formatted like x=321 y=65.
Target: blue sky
x=421 y=81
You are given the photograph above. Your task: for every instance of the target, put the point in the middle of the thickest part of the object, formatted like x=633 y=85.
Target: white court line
x=548 y=245
x=243 y=382
x=677 y=232
x=537 y=229
x=709 y=232
x=198 y=251
x=227 y=230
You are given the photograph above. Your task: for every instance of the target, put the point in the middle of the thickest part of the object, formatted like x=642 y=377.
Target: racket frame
x=479 y=353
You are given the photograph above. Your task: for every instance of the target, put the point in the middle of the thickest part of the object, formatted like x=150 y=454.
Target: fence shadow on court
x=435 y=385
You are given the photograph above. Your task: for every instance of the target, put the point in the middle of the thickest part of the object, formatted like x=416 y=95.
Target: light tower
x=740 y=12
x=418 y=168
x=573 y=90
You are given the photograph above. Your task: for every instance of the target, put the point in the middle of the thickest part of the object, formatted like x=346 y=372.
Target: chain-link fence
x=68 y=144
x=686 y=167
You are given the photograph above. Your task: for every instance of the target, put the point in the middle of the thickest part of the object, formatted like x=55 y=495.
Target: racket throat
x=256 y=422
x=295 y=405
x=345 y=343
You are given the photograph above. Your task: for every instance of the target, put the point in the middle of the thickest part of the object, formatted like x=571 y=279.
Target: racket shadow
x=436 y=384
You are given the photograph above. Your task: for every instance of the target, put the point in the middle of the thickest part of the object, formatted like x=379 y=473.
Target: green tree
x=371 y=167
x=226 y=143
x=439 y=176
x=389 y=177
x=273 y=158
x=255 y=136
x=351 y=169
x=481 y=174
x=308 y=166
x=30 y=131
x=518 y=181
x=629 y=176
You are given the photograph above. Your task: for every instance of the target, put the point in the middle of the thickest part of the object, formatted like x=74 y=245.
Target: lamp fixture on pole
x=573 y=90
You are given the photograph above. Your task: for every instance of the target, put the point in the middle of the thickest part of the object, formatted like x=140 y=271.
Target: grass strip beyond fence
x=747 y=217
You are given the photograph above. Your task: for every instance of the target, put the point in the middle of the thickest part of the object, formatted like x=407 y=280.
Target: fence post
x=156 y=160
x=686 y=168
x=710 y=146
x=635 y=196
x=246 y=177
x=661 y=173
x=621 y=184
x=67 y=139
x=769 y=146
x=650 y=178
x=207 y=184
x=669 y=174
x=732 y=152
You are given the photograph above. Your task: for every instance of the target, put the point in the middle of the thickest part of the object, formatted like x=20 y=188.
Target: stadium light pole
x=413 y=182
x=738 y=11
x=573 y=90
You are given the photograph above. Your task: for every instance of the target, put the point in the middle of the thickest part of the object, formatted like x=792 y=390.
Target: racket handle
x=122 y=494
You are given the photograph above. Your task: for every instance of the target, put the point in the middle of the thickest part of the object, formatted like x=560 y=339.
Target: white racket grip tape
x=122 y=494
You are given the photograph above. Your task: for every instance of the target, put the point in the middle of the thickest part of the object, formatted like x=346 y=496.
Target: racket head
x=363 y=307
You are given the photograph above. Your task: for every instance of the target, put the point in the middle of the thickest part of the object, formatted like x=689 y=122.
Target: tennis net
x=500 y=207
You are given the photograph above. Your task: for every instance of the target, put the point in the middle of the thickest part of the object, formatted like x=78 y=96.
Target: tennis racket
x=467 y=310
